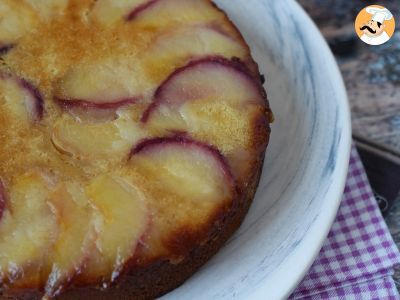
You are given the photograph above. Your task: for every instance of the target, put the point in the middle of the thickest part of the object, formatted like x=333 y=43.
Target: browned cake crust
x=161 y=277
x=158 y=276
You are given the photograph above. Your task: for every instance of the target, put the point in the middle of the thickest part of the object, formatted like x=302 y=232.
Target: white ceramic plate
x=306 y=162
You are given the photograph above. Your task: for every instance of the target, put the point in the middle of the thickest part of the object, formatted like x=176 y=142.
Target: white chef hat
x=379 y=14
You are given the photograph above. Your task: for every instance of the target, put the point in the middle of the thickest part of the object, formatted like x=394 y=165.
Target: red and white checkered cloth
x=357 y=259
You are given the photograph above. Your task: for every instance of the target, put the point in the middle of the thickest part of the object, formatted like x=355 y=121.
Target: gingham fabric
x=357 y=259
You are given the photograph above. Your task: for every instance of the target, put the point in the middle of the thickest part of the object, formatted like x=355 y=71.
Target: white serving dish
x=306 y=162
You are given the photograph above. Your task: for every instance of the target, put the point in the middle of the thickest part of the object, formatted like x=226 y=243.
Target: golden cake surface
x=131 y=131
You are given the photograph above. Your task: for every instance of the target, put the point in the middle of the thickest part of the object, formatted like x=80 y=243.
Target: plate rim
x=329 y=209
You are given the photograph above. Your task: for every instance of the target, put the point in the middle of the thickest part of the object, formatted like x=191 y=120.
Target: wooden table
x=372 y=78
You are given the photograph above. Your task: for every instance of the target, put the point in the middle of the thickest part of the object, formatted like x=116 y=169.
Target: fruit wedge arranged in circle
x=198 y=169
x=108 y=12
x=215 y=77
x=176 y=47
x=163 y=13
x=214 y=99
x=95 y=92
x=88 y=140
x=28 y=229
x=47 y=9
x=153 y=13
x=176 y=156
x=94 y=111
x=100 y=111
x=107 y=85
x=20 y=17
x=17 y=18
x=188 y=183
x=124 y=218
x=76 y=239
x=114 y=83
x=157 y=138
x=20 y=98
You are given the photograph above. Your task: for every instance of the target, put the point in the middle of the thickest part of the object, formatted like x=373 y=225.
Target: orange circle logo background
x=363 y=17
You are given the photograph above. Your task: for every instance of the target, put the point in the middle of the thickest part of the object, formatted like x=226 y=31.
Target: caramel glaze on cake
x=132 y=140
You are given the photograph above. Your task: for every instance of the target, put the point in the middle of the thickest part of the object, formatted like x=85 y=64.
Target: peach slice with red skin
x=153 y=13
x=97 y=91
x=169 y=153
x=140 y=8
x=123 y=219
x=113 y=83
x=68 y=104
x=109 y=11
x=188 y=184
x=17 y=18
x=21 y=98
x=149 y=12
x=34 y=101
x=216 y=77
x=47 y=9
x=28 y=229
x=92 y=111
x=76 y=220
x=109 y=83
x=20 y=17
x=99 y=97
x=96 y=140
x=216 y=101
x=176 y=47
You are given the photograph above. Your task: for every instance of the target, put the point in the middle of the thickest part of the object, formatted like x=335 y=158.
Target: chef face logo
x=375 y=25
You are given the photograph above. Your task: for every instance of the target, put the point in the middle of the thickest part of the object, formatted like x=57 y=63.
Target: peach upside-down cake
x=132 y=137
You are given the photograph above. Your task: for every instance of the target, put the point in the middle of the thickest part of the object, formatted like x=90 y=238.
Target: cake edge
x=161 y=277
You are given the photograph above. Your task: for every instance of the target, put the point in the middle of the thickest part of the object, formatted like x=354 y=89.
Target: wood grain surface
x=371 y=73
x=372 y=78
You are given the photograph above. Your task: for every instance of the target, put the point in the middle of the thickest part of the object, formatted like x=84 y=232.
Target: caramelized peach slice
x=214 y=99
x=16 y=19
x=109 y=84
x=28 y=229
x=217 y=78
x=154 y=12
x=124 y=219
x=111 y=139
x=188 y=184
x=192 y=170
x=175 y=48
x=115 y=82
x=48 y=8
x=96 y=92
x=162 y=13
x=76 y=239
x=93 y=112
x=110 y=11
x=20 y=98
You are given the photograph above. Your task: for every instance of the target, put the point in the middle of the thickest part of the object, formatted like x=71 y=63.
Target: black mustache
x=368 y=28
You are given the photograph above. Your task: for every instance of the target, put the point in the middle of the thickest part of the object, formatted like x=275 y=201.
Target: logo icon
x=375 y=25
